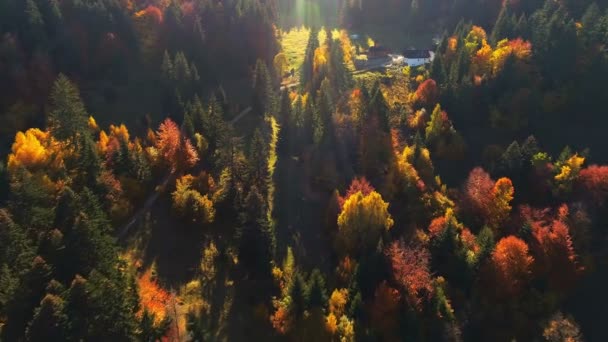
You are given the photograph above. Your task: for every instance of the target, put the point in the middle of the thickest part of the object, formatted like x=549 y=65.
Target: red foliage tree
x=411 y=271
x=153 y=13
x=488 y=200
x=593 y=181
x=553 y=249
x=512 y=264
x=427 y=92
x=478 y=192
x=358 y=184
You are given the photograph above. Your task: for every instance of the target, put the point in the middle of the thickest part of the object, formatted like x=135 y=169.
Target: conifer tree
x=306 y=72
x=68 y=117
x=264 y=99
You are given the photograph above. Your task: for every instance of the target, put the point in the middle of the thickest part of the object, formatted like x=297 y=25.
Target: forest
x=224 y=170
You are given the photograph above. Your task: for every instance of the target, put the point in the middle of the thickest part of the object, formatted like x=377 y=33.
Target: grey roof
x=416 y=53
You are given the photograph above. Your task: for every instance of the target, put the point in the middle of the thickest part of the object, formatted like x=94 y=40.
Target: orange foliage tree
x=176 y=150
x=153 y=298
x=410 y=266
x=512 y=264
x=427 y=92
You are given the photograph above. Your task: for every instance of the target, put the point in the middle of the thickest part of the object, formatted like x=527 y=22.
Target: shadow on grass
x=175 y=247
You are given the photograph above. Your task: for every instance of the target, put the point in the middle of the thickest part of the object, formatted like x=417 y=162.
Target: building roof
x=417 y=54
x=378 y=48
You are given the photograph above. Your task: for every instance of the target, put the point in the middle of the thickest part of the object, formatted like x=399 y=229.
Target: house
x=417 y=57
x=378 y=51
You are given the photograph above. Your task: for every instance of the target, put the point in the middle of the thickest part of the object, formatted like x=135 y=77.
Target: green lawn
x=294 y=41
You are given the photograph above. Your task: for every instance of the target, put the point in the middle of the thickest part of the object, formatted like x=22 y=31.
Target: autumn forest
x=303 y=170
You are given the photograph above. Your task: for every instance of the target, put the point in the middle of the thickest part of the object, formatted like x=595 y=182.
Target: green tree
x=258 y=157
x=306 y=71
x=264 y=98
x=49 y=322
x=298 y=294
x=68 y=117
x=317 y=292
x=504 y=26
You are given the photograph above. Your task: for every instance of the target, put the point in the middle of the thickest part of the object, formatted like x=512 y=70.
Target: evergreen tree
x=264 y=99
x=34 y=27
x=166 y=68
x=298 y=294
x=512 y=160
x=306 y=72
x=287 y=125
x=68 y=117
x=339 y=73
x=49 y=322
x=504 y=26
x=317 y=293
x=438 y=72
x=258 y=160
x=256 y=242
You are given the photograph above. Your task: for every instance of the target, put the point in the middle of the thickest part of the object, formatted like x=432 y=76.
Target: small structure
x=415 y=58
x=378 y=51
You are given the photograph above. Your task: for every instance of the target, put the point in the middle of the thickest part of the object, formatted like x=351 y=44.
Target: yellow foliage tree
x=189 y=202
x=321 y=57
x=481 y=60
x=35 y=149
x=475 y=38
x=347 y=48
x=362 y=221
x=500 y=207
x=281 y=64
x=337 y=301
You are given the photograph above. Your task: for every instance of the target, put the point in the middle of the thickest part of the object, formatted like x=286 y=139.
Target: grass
x=293 y=44
x=369 y=77
x=294 y=41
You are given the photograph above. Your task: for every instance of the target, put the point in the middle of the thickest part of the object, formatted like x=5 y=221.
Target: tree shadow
x=174 y=246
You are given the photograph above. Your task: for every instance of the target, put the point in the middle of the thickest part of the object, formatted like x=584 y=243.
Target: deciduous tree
x=512 y=264
x=362 y=222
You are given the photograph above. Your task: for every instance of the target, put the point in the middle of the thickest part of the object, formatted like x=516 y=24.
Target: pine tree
x=258 y=157
x=255 y=240
x=317 y=293
x=4 y=183
x=298 y=295
x=49 y=322
x=34 y=30
x=504 y=26
x=512 y=160
x=287 y=125
x=379 y=107
x=438 y=72
x=167 y=70
x=339 y=73
x=264 y=98
x=306 y=72
x=68 y=117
